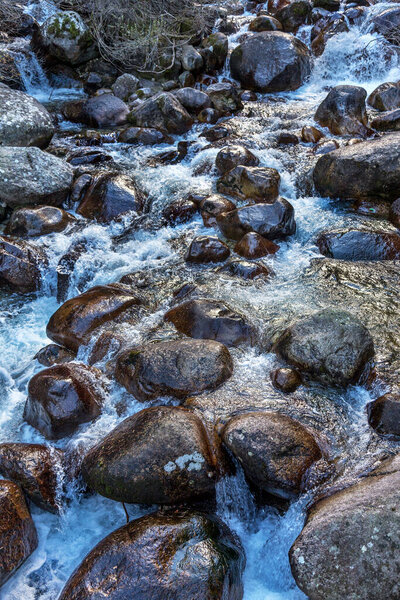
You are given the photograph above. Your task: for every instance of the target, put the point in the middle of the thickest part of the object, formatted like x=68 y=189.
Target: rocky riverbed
x=199 y=310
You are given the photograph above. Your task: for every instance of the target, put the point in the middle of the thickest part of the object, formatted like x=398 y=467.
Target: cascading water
x=353 y=57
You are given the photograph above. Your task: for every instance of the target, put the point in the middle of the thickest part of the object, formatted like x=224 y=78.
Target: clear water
x=354 y=57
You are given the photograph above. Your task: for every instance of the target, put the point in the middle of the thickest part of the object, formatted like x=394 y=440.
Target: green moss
x=64 y=24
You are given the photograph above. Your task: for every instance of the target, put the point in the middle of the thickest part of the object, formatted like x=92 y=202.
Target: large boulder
x=160 y=455
x=164 y=112
x=124 y=86
x=271 y=61
x=354 y=244
x=215 y=51
x=178 y=368
x=211 y=320
x=385 y=97
x=63 y=397
x=260 y=184
x=18 y=537
x=387 y=23
x=190 y=58
x=20 y=265
x=36 y=468
x=294 y=15
x=193 y=100
x=23 y=121
x=343 y=111
x=109 y=197
x=331 y=345
x=165 y=556
x=33 y=221
x=350 y=545
x=105 y=110
x=73 y=324
x=273 y=221
x=274 y=451
x=65 y=37
x=367 y=170
x=31 y=176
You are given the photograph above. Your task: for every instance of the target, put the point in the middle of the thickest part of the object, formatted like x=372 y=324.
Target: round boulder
x=384 y=415
x=260 y=184
x=207 y=249
x=109 y=197
x=162 y=111
x=230 y=157
x=213 y=206
x=253 y=245
x=385 y=97
x=343 y=111
x=286 y=380
x=65 y=37
x=33 y=221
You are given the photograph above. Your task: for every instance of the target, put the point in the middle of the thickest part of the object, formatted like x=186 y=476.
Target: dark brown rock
x=178 y=368
x=207 y=249
x=214 y=51
x=325 y=146
x=18 y=537
x=385 y=97
x=230 y=157
x=285 y=138
x=36 y=468
x=177 y=555
x=54 y=355
x=20 y=265
x=208 y=115
x=32 y=221
x=394 y=213
x=389 y=121
x=253 y=245
x=286 y=380
x=356 y=244
x=246 y=270
x=311 y=134
x=274 y=451
x=384 y=415
x=260 y=184
x=75 y=321
x=272 y=221
x=160 y=455
x=211 y=320
x=63 y=397
x=180 y=211
x=109 y=197
x=213 y=206
x=265 y=23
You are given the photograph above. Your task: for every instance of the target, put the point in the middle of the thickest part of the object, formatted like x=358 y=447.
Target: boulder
x=73 y=324
x=349 y=547
x=109 y=197
x=384 y=415
x=207 y=249
x=20 y=265
x=265 y=23
x=31 y=176
x=286 y=380
x=180 y=211
x=33 y=221
x=145 y=136
x=36 y=468
x=272 y=221
x=191 y=59
x=367 y=170
x=246 y=270
x=271 y=62
x=179 y=555
x=63 y=397
x=208 y=115
x=387 y=23
x=325 y=146
x=162 y=111
x=124 y=86
x=388 y=121
x=23 y=121
x=213 y=206
x=65 y=37
x=294 y=15
x=54 y=355
x=385 y=97
x=224 y=98
x=343 y=111
x=18 y=537
x=330 y=345
x=260 y=184
x=105 y=110
x=230 y=157
x=160 y=455
x=215 y=51
x=356 y=244
x=253 y=245
x=178 y=368
x=211 y=320
x=274 y=451
x=193 y=100
x=311 y=134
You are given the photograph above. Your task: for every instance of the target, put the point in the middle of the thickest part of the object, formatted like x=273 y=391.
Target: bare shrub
x=10 y=18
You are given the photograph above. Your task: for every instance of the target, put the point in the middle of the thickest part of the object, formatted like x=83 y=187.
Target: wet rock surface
x=110 y=197
x=21 y=264
x=359 y=245
x=259 y=184
x=343 y=111
x=207 y=249
x=38 y=220
x=163 y=111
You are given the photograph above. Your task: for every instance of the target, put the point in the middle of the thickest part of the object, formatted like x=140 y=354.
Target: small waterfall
x=34 y=79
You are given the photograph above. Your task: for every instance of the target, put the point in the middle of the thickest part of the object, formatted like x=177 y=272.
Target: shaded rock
x=105 y=110
x=285 y=138
x=160 y=455
x=253 y=245
x=23 y=121
x=260 y=184
x=211 y=320
x=224 y=98
x=18 y=537
x=63 y=397
x=389 y=121
x=20 y=265
x=124 y=86
x=385 y=97
x=201 y=559
x=331 y=345
x=286 y=380
x=163 y=111
x=30 y=176
x=331 y=5
x=230 y=157
x=65 y=37
x=271 y=62
x=143 y=135
x=178 y=368
x=343 y=111
x=370 y=169
x=294 y=15
x=311 y=134
x=214 y=51
x=180 y=211
x=387 y=23
x=246 y=270
x=33 y=221
x=274 y=451
x=272 y=221
x=213 y=206
x=193 y=100
x=36 y=469
x=349 y=545
x=384 y=415
x=265 y=23
x=109 y=197
x=394 y=213
x=75 y=321
x=191 y=59
x=356 y=244
x=207 y=249
x=216 y=133
x=208 y=115
x=54 y=355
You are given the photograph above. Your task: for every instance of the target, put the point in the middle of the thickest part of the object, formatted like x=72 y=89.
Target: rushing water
x=354 y=57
